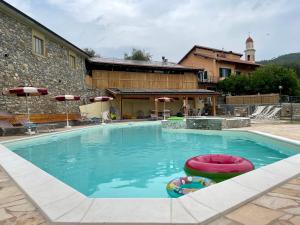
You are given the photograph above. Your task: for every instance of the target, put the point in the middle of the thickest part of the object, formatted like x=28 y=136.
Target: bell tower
x=250 y=51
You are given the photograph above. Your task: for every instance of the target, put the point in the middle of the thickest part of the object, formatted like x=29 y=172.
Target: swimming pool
x=126 y=161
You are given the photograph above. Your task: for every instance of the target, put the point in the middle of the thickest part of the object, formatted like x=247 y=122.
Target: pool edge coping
x=61 y=204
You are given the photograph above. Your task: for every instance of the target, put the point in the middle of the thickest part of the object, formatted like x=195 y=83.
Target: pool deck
x=279 y=206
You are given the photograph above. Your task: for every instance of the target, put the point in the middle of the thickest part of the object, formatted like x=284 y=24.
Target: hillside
x=291 y=60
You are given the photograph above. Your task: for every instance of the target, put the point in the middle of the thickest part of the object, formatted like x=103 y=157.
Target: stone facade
x=207 y=123
x=19 y=66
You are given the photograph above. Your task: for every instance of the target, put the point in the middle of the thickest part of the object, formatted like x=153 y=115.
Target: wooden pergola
x=120 y=94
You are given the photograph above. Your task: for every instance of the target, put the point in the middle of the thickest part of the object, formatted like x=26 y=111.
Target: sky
x=171 y=28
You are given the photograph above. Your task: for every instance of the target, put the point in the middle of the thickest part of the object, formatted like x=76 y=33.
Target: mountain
x=291 y=60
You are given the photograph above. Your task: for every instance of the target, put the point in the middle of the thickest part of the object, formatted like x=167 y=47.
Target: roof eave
x=186 y=69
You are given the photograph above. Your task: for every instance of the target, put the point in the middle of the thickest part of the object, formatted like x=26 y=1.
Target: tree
x=267 y=79
x=91 y=52
x=137 y=54
x=264 y=80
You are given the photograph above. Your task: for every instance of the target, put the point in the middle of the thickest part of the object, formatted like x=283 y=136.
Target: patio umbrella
x=66 y=98
x=25 y=92
x=101 y=99
x=164 y=100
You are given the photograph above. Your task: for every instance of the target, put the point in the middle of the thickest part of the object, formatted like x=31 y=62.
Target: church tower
x=250 y=51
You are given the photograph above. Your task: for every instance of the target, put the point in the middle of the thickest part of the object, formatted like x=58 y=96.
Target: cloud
x=171 y=27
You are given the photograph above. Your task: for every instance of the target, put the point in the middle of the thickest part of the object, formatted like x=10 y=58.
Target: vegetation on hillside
x=291 y=61
x=263 y=80
x=137 y=54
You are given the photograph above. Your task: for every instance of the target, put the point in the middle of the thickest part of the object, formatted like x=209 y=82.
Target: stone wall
x=19 y=66
x=207 y=123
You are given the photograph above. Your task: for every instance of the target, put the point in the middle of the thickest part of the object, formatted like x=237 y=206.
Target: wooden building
x=136 y=84
x=218 y=64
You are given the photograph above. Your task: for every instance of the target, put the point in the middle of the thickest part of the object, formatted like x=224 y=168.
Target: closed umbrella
x=25 y=92
x=101 y=99
x=66 y=98
x=164 y=100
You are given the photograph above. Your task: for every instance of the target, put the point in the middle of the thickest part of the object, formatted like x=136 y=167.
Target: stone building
x=31 y=54
x=218 y=63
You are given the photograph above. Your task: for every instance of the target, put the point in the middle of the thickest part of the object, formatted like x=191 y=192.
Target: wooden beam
x=156 y=109
x=214 y=110
x=121 y=108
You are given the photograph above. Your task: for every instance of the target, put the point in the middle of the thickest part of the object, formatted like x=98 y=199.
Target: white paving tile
x=33 y=178
x=224 y=196
x=283 y=168
x=129 y=211
x=293 y=159
x=59 y=208
x=199 y=211
x=14 y=165
x=75 y=215
x=259 y=179
x=51 y=192
x=179 y=214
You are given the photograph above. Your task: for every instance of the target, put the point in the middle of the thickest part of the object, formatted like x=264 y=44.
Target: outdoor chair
x=240 y=111
x=5 y=124
x=140 y=114
x=106 y=117
x=6 y=128
x=167 y=113
x=265 y=112
x=153 y=115
x=273 y=114
x=258 y=110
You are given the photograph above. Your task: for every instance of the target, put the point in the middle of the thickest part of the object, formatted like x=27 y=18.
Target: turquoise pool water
x=124 y=161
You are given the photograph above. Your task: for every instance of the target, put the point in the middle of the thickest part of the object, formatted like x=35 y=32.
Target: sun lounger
x=264 y=112
x=273 y=114
x=50 y=127
x=259 y=109
x=5 y=124
x=7 y=129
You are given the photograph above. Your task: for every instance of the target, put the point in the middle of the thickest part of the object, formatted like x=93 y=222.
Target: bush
x=263 y=80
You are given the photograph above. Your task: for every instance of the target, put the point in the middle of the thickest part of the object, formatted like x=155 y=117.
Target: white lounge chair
x=264 y=112
x=105 y=117
x=273 y=114
x=258 y=110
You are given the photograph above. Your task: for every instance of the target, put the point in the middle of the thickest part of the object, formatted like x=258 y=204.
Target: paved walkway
x=291 y=131
x=15 y=208
x=281 y=206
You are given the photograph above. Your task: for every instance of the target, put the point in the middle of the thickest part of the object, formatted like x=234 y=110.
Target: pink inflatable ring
x=217 y=167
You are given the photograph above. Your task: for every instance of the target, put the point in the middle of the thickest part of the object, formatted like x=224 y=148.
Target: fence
x=253 y=99
x=290 y=107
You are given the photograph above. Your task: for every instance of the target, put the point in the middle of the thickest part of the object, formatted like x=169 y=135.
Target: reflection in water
x=135 y=161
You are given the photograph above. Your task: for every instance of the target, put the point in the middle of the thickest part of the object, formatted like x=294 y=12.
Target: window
x=225 y=72
x=72 y=61
x=202 y=76
x=205 y=75
x=38 y=43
